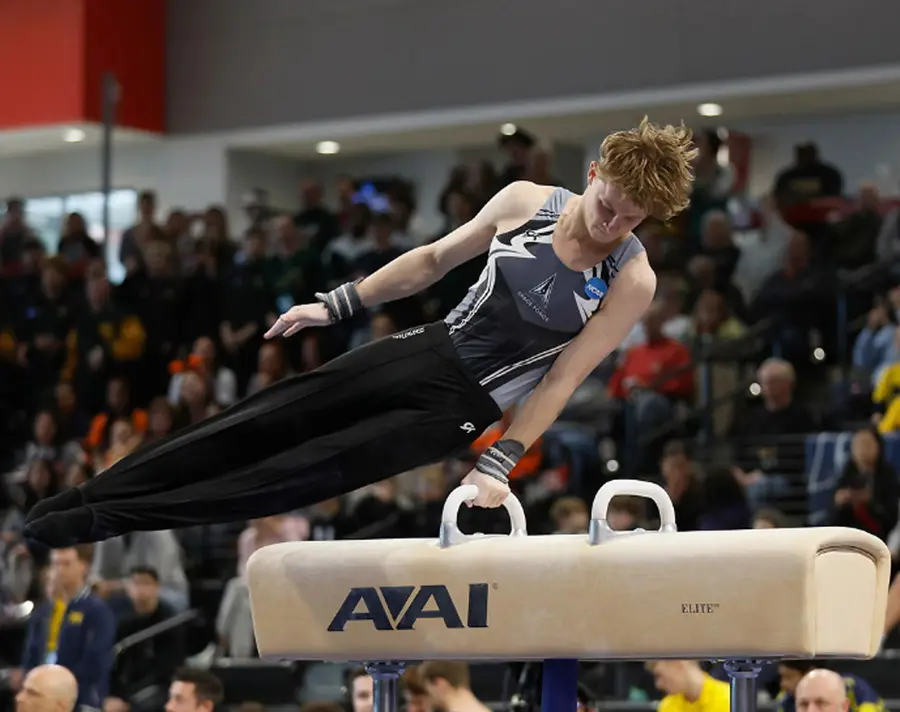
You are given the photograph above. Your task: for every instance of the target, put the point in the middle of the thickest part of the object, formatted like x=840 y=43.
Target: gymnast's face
x=608 y=213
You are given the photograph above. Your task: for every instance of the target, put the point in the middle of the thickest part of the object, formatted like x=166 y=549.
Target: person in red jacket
x=655 y=374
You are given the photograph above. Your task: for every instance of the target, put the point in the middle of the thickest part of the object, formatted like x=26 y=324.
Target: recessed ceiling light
x=73 y=136
x=709 y=110
x=328 y=148
x=508 y=129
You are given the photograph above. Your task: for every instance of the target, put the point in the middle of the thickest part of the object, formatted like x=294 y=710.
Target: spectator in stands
x=76 y=247
x=876 y=346
x=23 y=279
x=204 y=360
x=341 y=254
x=194 y=690
x=160 y=419
x=718 y=245
x=797 y=297
x=75 y=628
x=414 y=693
x=808 y=178
x=119 y=406
x=316 y=223
x=670 y=295
x=682 y=485
x=382 y=246
x=769 y=464
x=195 y=402
x=78 y=473
x=887 y=388
x=711 y=318
x=868 y=492
x=448 y=686
x=330 y=520
x=44 y=438
x=116 y=557
x=178 y=235
x=48 y=688
x=517 y=147
x=362 y=690
x=713 y=184
x=687 y=688
x=702 y=276
x=14 y=233
x=135 y=238
x=272 y=367
x=538 y=168
x=295 y=270
x=654 y=375
x=40 y=482
x=151 y=663
x=106 y=341
x=764 y=249
x=724 y=502
x=860 y=694
x=769 y=519
x=72 y=420
x=378 y=513
x=624 y=514
x=855 y=240
x=822 y=690
x=48 y=317
x=570 y=515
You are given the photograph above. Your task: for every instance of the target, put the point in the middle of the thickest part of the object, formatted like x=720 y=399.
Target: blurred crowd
x=710 y=395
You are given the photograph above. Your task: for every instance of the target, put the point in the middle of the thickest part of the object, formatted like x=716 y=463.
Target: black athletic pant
x=379 y=410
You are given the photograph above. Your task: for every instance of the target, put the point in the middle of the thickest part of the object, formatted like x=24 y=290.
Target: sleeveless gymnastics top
x=527 y=305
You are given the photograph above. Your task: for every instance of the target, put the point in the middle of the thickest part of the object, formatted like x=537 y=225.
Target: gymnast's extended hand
x=300 y=317
x=491 y=492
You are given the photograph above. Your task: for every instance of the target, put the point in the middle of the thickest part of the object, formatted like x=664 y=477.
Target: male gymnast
x=565 y=282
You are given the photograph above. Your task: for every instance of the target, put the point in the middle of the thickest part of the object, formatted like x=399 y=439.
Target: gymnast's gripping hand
x=299 y=317
x=491 y=492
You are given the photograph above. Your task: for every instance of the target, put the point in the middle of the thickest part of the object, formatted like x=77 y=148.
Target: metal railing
x=155 y=630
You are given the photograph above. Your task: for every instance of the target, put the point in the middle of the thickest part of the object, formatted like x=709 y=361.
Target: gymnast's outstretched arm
x=421 y=267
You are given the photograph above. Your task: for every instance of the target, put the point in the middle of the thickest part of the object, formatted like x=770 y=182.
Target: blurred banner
x=53 y=54
x=238 y=64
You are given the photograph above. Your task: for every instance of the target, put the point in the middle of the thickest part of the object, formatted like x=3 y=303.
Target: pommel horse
x=743 y=597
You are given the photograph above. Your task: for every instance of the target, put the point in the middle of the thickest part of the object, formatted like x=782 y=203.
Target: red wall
x=53 y=54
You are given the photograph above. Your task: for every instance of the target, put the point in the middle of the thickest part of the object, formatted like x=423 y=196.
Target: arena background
x=234 y=115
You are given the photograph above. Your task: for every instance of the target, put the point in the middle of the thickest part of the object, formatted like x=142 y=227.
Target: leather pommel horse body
x=741 y=596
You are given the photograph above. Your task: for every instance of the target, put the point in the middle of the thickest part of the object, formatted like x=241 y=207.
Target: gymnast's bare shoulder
x=508 y=209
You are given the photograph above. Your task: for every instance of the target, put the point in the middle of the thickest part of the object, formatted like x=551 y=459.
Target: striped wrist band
x=499 y=460
x=342 y=302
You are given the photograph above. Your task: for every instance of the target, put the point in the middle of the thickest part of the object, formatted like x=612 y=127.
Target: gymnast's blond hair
x=652 y=165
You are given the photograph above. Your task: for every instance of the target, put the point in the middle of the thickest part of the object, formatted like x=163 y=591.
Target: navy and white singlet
x=527 y=305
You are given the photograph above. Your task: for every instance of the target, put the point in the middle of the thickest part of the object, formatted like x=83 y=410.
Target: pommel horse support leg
x=745 y=597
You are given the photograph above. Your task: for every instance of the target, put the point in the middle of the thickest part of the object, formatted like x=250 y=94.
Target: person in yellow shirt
x=688 y=688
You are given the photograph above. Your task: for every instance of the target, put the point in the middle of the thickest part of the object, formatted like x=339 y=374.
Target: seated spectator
x=725 y=504
x=868 y=491
x=48 y=688
x=855 y=238
x=151 y=663
x=195 y=402
x=106 y=341
x=702 y=275
x=75 y=628
x=798 y=298
x=193 y=690
x=48 y=317
x=570 y=515
x=763 y=249
x=272 y=366
x=331 y=520
x=711 y=318
x=160 y=419
x=682 y=485
x=414 y=693
x=713 y=184
x=116 y=557
x=41 y=481
x=341 y=254
x=687 y=688
x=44 y=438
x=718 y=244
x=118 y=407
x=315 y=223
x=204 y=360
x=770 y=519
x=862 y=697
x=123 y=440
x=382 y=246
x=73 y=420
x=295 y=270
x=626 y=513
x=769 y=464
x=448 y=687
x=670 y=294
x=876 y=346
x=361 y=690
x=268 y=531
x=654 y=375
x=14 y=234
x=135 y=238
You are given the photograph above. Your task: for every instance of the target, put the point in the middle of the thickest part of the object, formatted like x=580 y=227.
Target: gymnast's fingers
x=294 y=329
x=277 y=328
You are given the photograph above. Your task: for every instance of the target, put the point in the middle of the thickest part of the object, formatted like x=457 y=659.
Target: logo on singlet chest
x=538 y=297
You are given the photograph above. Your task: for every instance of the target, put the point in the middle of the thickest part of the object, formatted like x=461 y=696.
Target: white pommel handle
x=600 y=529
x=450 y=533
